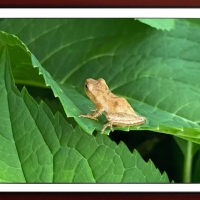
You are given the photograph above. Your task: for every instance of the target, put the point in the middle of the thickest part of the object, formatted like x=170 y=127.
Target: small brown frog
x=118 y=110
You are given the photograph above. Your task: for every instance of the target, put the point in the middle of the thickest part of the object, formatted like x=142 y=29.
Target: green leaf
x=156 y=71
x=39 y=147
x=163 y=24
x=22 y=69
x=10 y=166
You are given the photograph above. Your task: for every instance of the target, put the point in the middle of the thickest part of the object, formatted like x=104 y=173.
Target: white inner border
x=100 y=187
x=100 y=13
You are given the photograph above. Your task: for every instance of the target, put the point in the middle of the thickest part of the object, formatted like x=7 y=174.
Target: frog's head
x=94 y=88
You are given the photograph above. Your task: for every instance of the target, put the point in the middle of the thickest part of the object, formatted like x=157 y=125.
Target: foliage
x=156 y=71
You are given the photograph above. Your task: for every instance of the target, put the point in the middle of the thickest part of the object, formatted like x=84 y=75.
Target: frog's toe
x=106 y=125
x=111 y=128
x=92 y=109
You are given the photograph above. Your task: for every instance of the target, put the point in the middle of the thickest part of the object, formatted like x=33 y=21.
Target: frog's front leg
x=93 y=115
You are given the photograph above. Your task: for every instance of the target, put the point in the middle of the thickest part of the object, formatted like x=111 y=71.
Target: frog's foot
x=106 y=125
x=89 y=116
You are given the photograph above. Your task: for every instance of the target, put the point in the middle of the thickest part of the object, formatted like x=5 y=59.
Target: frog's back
x=119 y=105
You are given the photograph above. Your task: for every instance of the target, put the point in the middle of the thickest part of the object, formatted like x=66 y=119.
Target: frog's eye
x=86 y=86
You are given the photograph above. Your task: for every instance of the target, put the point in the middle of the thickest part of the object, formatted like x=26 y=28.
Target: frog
x=117 y=110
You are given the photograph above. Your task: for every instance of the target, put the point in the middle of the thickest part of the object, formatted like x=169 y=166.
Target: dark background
x=99 y=3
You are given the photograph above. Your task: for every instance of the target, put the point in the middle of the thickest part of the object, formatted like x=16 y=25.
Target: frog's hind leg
x=106 y=125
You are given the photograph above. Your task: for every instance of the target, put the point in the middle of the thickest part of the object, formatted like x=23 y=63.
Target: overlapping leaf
x=163 y=24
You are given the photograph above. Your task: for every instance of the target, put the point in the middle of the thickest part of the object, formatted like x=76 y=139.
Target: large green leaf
x=39 y=147
x=156 y=71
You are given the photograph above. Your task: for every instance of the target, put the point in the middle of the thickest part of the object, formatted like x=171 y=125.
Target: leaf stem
x=187 y=168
